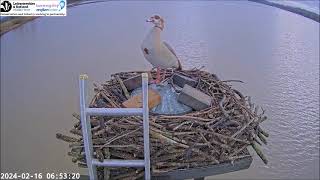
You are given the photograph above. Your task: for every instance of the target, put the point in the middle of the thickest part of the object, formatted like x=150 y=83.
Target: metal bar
x=146 y=143
x=114 y=111
x=86 y=127
x=87 y=136
x=119 y=163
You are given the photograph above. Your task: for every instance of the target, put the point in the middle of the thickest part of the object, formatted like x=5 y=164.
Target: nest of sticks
x=220 y=133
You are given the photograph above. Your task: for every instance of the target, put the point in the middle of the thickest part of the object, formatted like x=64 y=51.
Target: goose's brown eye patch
x=157 y=17
x=146 y=50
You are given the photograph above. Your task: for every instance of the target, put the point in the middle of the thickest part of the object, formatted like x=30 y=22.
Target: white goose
x=159 y=53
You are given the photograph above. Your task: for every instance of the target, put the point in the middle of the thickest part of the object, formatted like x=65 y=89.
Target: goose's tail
x=179 y=65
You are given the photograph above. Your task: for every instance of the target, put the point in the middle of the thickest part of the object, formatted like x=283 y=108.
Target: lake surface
x=276 y=54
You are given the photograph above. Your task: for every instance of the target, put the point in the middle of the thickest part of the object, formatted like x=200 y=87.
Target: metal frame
x=87 y=136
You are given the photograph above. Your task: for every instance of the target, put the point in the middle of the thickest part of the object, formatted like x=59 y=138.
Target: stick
x=262 y=131
x=243 y=128
x=227 y=137
x=259 y=152
x=257 y=141
x=238 y=151
x=118 y=137
x=123 y=87
x=205 y=140
x=106 y=171
x=82 y=165
x=66 y=138
x=75 y=115
x=76 y=132
x=184 y=117
x=262 y=138
x=166 y=139
x=113 y=104
x=99 y=155
x=184 y=123
x=232 y=80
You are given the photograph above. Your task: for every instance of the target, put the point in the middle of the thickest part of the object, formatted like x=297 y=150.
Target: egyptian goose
x=159 y=53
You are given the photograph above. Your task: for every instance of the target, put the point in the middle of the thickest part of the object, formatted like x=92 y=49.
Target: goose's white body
x=157 y=52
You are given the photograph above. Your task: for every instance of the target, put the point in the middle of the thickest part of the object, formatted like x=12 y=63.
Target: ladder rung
x=119 y=163
x=115 y=111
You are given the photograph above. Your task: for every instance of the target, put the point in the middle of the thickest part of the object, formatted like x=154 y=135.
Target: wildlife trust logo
x=6 y=6
x=33 y=7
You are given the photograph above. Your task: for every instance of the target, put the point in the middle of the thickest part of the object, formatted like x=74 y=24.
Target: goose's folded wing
x=170 y=48
x=173 y=52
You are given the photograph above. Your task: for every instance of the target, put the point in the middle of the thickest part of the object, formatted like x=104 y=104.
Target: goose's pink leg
x=158 y=78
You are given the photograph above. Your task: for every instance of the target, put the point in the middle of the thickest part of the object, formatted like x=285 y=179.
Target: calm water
x=275 y=52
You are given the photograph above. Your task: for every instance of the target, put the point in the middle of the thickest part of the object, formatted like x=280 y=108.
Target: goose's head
x=157 y=21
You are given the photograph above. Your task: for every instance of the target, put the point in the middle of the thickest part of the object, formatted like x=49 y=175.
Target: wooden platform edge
x=212 y=170
x=200 y=172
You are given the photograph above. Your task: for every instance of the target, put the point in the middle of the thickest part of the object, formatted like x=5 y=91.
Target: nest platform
x=196 y=142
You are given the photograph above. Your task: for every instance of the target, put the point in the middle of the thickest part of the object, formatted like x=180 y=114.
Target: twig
x=243 y=128
x=231 y=80
x=259 y=152
x=118 y=137
x=66 y=138
x=123 y=87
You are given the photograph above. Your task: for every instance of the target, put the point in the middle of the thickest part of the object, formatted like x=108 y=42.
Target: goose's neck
x=155 y=35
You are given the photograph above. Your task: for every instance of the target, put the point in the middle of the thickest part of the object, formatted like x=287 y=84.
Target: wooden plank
x=181 y=80
x=194 y=98
x=136 y=101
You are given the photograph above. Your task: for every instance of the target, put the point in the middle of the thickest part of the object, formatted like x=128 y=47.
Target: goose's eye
x=157 y=17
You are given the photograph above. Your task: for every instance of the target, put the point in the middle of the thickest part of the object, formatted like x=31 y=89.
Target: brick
x=194 y=98
x=181 y=80
x=134 y=82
